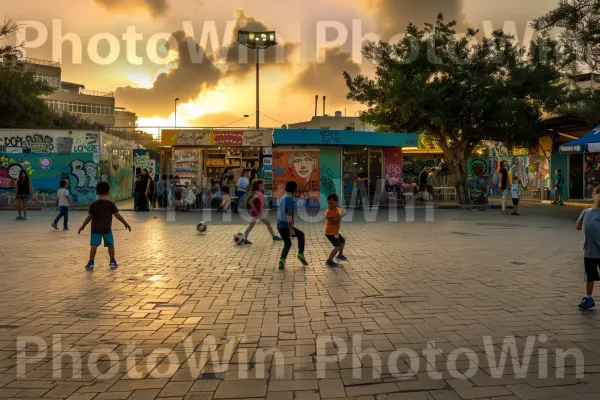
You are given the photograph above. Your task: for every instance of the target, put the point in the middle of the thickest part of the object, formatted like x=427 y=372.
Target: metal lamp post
x=176 y=100
x=257 y=41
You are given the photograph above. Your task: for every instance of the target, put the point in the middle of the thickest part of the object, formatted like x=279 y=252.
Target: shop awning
x=589 y=143
x=312 y=137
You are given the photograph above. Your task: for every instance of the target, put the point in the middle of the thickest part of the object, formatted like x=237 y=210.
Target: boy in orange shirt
x=333 y=221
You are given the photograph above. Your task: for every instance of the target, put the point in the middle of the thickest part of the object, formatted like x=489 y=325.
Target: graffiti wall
x=331 y=178
x=592 y=173
x=393 y=173
x=303 y=167
x=116 y=166
x=46 y=171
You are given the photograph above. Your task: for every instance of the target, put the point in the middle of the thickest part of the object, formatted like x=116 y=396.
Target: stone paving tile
x=182 y=301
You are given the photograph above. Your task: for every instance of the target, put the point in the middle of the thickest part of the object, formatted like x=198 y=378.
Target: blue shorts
x=97 y=239
x=23 y=197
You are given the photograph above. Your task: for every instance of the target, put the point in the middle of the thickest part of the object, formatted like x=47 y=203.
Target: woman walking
x=142 y=191
x=24 y=192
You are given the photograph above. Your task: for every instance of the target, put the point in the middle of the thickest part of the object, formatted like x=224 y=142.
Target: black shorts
x=591 y=269
x=515 y=202
x=336 y=241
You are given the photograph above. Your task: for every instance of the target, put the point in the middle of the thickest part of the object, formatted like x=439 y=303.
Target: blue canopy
x=589 y=143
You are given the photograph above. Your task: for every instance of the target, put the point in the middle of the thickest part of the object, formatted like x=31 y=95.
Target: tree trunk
x=457 y=156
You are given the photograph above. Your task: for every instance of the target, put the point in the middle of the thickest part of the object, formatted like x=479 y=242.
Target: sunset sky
x=220 y=89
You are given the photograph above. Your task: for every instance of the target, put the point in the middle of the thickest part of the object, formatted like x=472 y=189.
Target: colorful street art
x=393 y=174
x=331 y=178
x=301 y=167
x=592 y=173
x=80 y=169
x=116 y=166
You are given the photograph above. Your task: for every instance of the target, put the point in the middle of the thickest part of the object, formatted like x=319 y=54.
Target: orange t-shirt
x=332 y=228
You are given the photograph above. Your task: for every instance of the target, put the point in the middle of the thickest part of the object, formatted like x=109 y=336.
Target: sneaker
x=113 y=264
x=302 y=259
x=54 y=226
x=281 y=263
x=277 y=239
x=342 y=257
x=19 y=218
x=65 y=229
x=587 y=303
x=513 y=213
x=90 y=265
x=24 y=218
x=517 y=213
x=246 y=241
x=331 y=263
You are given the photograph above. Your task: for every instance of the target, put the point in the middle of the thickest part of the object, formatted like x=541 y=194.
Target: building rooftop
x=38 y=61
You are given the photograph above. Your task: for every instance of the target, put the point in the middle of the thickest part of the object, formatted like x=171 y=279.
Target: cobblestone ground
x=190 y=316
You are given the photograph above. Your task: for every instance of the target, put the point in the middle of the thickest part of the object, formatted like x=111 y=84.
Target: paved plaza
x=471 y=305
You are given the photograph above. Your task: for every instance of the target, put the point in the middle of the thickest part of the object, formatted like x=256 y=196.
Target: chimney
x=324 y=100
x=316 y=104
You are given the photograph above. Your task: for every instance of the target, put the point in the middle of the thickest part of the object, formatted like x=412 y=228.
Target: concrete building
x=336 y=122
x=73 y=98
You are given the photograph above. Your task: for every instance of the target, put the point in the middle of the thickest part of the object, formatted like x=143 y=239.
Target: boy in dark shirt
x=101 y=213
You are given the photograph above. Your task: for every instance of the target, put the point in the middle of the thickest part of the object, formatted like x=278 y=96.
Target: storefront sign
x=343 y=138
x=267 y=161
x=203 y=137
x=267 y=151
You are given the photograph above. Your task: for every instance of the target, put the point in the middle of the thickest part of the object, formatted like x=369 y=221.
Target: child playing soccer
x=63 y=201
x=285 y=225
x=257 y=203
x=101 y=213
x=333 y=221
x=589 y=222
x=514 y=193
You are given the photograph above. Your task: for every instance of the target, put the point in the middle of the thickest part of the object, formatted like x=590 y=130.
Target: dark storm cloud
x=193 y=74
x=154 y=7
x=241 y=60
x=327 y=78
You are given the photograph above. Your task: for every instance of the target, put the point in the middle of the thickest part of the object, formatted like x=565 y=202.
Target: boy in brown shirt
x=101 y=213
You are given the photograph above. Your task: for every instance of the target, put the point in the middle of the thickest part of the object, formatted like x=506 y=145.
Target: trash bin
x=546 y=194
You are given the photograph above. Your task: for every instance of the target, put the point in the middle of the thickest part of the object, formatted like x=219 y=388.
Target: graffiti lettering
x=330 y=137
x=89 y=148
x=141 y=160
x=64 y=145
x=86 y=173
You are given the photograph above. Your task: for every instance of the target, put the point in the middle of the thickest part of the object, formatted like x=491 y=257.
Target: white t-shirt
x=63 y=195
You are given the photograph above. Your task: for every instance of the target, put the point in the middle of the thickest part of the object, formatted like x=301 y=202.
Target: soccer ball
x=202 y=227
x=239 y=239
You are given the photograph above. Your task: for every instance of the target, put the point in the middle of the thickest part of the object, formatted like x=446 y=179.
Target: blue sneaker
x=113 y=264
x=19 y=218
x=90 y=265
x=342 y=257
x=54 y=226
x=277 y=239
x=587 y=303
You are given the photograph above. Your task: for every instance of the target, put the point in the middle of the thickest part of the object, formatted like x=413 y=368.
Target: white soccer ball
x=239 y=239
x=202 y=227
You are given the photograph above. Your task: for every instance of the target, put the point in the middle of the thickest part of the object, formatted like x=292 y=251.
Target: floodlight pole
x=257 y=90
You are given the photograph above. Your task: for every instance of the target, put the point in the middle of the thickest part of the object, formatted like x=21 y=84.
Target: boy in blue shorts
x=101 y=213
x=589 y=222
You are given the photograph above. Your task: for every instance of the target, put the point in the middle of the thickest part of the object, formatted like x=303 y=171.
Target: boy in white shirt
x=63 y=201
x=514 y=193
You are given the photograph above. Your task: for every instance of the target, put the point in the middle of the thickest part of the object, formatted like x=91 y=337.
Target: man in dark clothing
x=423 y=184
x=503 y=184
x=362 y=185
x=560 y=182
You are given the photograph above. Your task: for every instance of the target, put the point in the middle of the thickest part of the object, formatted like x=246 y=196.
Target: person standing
x=162 y=192
x=143 y=191
x=63 y=201
x=503 y=184
x=430 y=185
x=333 y=220
x=558 y=188
x=423 y=184
x=24 y=193
x=362 y=182
x=514 y=193
x=242 y=187
x=589 y=222
x=285 y=225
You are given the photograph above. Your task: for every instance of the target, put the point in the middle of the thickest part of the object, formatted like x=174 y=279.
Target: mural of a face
x=304 y=163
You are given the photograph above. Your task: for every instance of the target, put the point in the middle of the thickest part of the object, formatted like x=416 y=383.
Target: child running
x=285 y=225
x=333 y=221
x=101 y=213
x=589 y=222
x=63 y=201
x=257 y=203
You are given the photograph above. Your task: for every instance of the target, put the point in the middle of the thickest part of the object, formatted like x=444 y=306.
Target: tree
x=20 y=102
x=9 y=29
x=458 y=90
x=580 y=41
x=65 y=120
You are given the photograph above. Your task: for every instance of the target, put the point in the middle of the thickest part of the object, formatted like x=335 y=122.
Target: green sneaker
x=281 y=263
x=302 y=259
